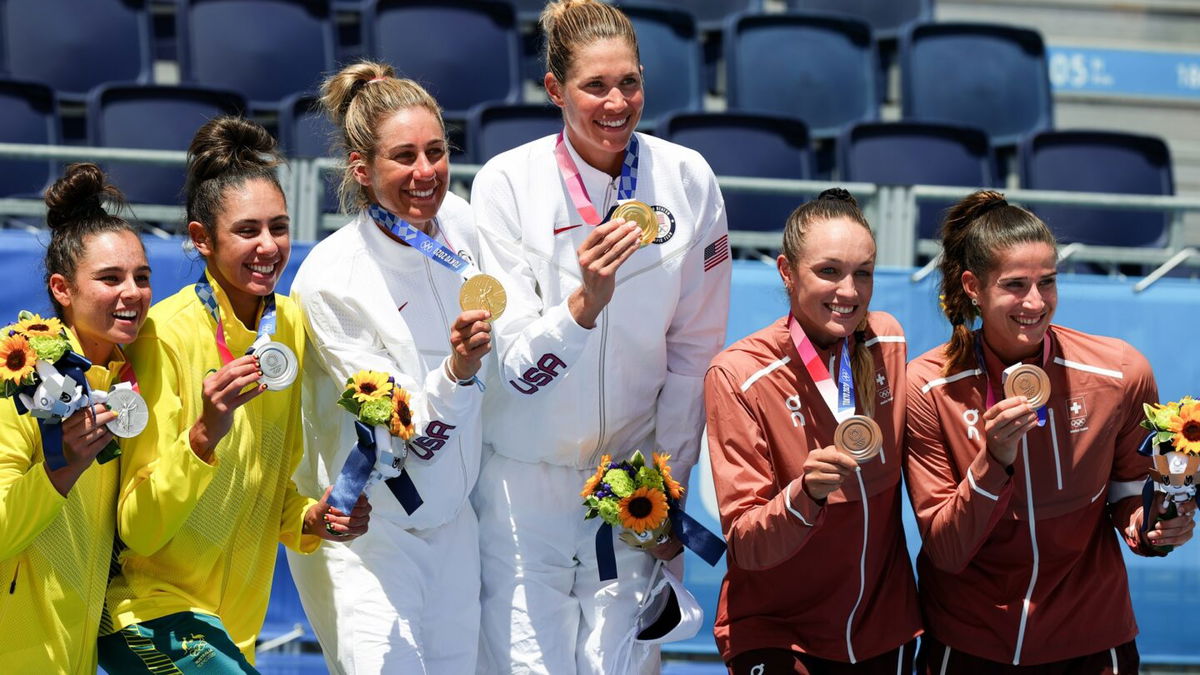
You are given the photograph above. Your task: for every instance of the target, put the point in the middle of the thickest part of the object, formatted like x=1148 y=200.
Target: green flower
x=610 y=512
x=637 y=460
x=620 y=482
x=647 y=477
x=49 y=349
x=376 y=411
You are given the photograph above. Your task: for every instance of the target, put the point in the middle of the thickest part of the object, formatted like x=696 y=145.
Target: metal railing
x=892 y=209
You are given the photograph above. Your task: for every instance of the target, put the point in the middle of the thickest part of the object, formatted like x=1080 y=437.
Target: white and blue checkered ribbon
x=421 y=242
x=266 y=324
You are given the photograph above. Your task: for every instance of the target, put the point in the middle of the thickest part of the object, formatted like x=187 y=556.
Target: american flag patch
x=716 y=253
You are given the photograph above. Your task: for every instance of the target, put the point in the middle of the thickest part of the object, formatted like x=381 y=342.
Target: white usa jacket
x=372 y=303
x=565 y=395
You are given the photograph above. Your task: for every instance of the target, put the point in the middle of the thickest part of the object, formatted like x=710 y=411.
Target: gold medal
x=483 y=291
x=860 y=437
x=1026 y=379
x=640 y=214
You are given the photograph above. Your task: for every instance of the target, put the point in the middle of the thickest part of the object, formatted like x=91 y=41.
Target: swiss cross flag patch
x=1076 y=407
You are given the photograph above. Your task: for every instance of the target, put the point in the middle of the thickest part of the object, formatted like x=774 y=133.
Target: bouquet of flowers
x=381 y=410
x=1174 y=447
x=634 y=496
x=46 y=379
x=376 y=400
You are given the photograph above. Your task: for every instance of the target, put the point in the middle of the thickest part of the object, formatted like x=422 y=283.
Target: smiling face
x=252 y=243
x=106 y=303
x=1016 y=299
x=830 y=284
x=410 y=170
x=601 y=100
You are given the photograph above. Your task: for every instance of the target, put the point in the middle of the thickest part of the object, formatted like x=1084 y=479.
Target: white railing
x=892 y=209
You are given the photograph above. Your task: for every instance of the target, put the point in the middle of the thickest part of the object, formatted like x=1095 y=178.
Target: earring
x=974 y=302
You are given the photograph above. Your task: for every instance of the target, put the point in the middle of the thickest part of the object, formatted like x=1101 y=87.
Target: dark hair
x=570 y=25
x=74 y=212
x=974 y=233
x=226 y=152
x=829 y=205
x=356 y=99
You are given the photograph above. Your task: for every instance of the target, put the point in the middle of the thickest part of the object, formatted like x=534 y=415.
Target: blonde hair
x=570 y=25
x=357 y=99
x=829 y=205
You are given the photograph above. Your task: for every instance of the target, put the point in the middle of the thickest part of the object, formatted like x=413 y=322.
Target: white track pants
x=394 y=600
x=545 y=609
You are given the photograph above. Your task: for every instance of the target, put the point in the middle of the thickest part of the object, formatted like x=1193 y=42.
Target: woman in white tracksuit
x=405 y=600
x=602 y=349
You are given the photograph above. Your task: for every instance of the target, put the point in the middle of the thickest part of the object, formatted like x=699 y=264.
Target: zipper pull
x=12 y=588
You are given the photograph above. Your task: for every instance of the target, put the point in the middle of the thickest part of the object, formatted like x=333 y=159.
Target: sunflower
x=369 y=385
x=401 y=425
x=17 y=359
x=35 y=326
x=1186 y=427
x=673 y=487
x=643 y=510
x=592 y=482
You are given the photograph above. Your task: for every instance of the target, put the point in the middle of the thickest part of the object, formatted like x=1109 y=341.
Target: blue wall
x=1161 y=322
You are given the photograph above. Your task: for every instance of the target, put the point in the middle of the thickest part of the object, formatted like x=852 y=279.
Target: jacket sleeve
x=162 y=479
x=1129 y=470
x=295 y=505
x=347 y=345
x=764 y=526
x=28 y=500
x=531 y=334
x=956 y=510
x=695 y=335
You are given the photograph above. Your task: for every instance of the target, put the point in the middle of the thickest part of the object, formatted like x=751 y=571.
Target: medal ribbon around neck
x=421 y=242
x=990 y=396
x=266 y=324
x=626 y=185
x=840 y=397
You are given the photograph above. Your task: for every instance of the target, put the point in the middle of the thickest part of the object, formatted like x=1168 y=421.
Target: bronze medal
x=1028 y=380
x=640 y=214
x=860 y=437
x=483 y=291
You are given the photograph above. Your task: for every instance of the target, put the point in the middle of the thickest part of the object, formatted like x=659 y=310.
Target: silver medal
x=278 y=365
x=132 y=412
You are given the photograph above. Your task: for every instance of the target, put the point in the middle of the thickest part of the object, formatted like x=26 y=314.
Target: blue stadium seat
x=917 y=153
x=30 y=116
x=1099 y=161
x=266 y=50
x=711 y=15
x=156 y=117
x=743 y=144
x=74 y=45
x=981 y=75
x=671 y=59
x=886 y=17
x=305 y=132
x=495 y=127
x=464 y=51
x=820 y=68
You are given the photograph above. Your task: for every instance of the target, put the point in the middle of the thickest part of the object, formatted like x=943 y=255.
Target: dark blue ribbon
x=708 y=546
x=74 y=366
x=357 y=469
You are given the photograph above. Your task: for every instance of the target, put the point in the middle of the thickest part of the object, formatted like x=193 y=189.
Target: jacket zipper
x=433 y=291
x=862 y=563
x=603 y=343
x=12 y=588
x=1033 y=542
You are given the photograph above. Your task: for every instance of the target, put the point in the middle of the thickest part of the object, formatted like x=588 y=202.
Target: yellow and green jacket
x=55 y=551
x=200 y=537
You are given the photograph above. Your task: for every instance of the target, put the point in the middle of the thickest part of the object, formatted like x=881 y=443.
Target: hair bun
x=838 y=194
x=79 y=195
x=230 y=144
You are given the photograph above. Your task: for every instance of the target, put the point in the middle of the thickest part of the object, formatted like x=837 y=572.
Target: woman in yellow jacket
x=56 y=525
x=206 y=491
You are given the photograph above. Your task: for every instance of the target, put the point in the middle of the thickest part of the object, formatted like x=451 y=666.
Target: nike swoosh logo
x=560 y=230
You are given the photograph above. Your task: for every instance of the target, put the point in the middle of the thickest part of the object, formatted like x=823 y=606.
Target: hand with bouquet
x=1169 y=496
x=643 y=501
x=47 y=380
